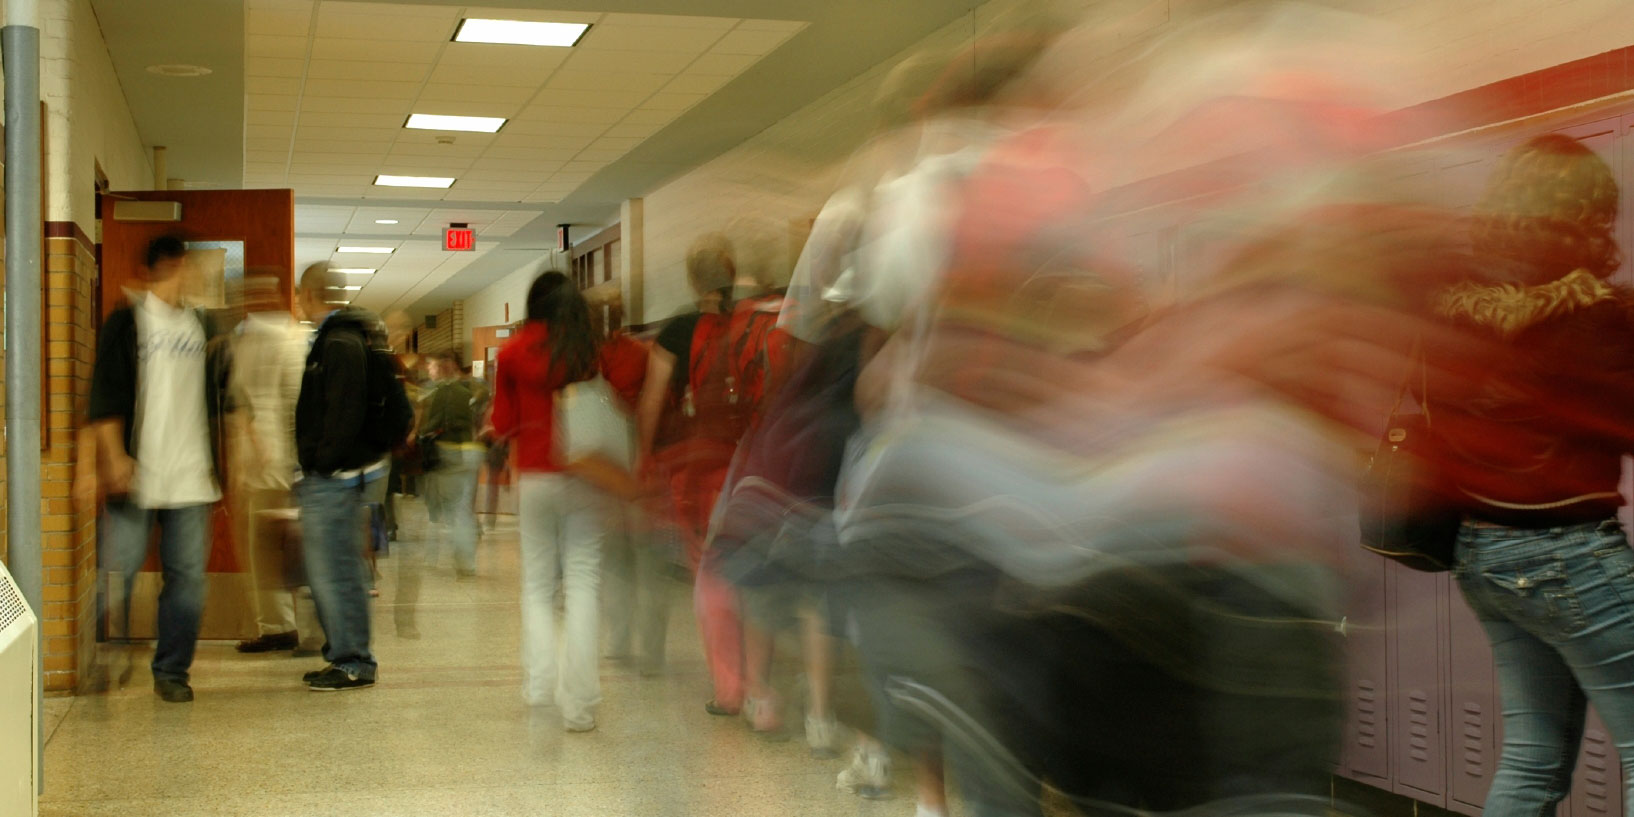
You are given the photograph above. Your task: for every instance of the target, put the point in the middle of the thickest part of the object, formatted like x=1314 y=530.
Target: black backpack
x=390 y=416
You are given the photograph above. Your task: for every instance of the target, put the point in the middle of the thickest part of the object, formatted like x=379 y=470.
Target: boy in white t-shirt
x=156 y=398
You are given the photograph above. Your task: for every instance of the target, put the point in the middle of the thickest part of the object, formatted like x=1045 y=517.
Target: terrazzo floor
x=444 y=732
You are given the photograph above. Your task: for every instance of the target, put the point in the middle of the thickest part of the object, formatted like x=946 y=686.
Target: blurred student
x=448 y=422
x=157 y=399
x=269 y=356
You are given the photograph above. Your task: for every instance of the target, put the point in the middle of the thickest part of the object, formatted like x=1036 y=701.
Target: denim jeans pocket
x=1537 y=591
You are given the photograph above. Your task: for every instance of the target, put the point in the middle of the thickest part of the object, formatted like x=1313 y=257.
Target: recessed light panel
x=385 y=221
x=519 y=32
x=377 y=250
x=346 y=288
x=414 y=181
x=353 y=270
x=474 y=124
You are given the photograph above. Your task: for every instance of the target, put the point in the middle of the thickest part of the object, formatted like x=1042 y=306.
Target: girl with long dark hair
x=563 y=517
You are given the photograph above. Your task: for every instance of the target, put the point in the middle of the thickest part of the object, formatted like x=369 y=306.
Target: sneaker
x=174 y=692
x=584 y=724
x=821 y=734
x=334 y=679
x=719 y=710
x=270 y=642
x=868 y=776
x=761 y=713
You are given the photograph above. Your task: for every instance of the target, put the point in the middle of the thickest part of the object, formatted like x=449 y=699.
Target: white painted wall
x=487 y=308
x=88 y=120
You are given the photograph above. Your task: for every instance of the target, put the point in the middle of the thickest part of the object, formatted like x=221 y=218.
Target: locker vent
x=1475 y=726
x=1366 y=714
x=1418 y=725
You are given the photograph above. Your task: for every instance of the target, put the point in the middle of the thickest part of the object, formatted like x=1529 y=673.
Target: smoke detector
x=445 y=140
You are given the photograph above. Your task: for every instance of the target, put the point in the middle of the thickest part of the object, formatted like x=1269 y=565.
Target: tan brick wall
x=69 y=534
x=440 y=338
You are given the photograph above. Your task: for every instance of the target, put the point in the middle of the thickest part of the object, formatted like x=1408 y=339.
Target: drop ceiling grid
x=337 y=102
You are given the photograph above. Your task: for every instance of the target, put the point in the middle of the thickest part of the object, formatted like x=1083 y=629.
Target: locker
x=1365 y=755
x=1597 y=785
x=1416 y=699
x=1472 y=691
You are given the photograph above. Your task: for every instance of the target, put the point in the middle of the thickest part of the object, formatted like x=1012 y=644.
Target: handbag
x=1405 y=514
x=594 y=434
x=430 y=458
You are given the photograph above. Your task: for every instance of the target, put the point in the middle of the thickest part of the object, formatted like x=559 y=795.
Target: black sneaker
x=316 y=674
x=335 y=679
x=271 y=642
x=175 y=692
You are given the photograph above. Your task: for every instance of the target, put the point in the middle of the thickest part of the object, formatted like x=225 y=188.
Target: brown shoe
x=271 y=642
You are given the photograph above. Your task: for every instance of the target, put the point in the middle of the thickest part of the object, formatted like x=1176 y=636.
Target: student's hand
x=121 y=473
x=85 y=491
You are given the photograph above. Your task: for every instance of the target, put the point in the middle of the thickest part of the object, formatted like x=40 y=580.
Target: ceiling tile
x=333 y=48
x=277 y=118
x=571 y=80
x=479 y=174
x=504 y=95
x=281 y=130
x=536 y=16
x=565 y=114
x=588 y=99
x=669 y=21
x=696 y=84
x=377 y=26
x=722 y=65
x=455 y=107
x=600 y=156
x=502 y=163
x=399 y=164
x=358 y=69
x=253 y=144
x=650 y=116
x=784 y=26
x=649 y=62
x=310 y=131
x=504 y=57
x=272 y=102
x=459 y=151
x=273 y=67
x=354 y=88
x=617 y=142
x=528 y=140
x=635 y=130
x=353 y=104
x=456 y=74
x=419 y=193
x=330 y=119
x=750 y=41
x=672 y=101
x=404 y=9
x=287 y=20
x=542 y=154
x=277 y=46
x=649 y=38
x=548 y=124
x=352 y=146
x=367 y=160
x=290 y=86
x=265 y=168
x=322 y=217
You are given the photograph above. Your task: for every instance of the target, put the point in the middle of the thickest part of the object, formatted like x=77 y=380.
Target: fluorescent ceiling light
x=413 y=181
x=385 y=221
x=377 y=250
x=352 y=270
x=352 y=288
x=474 y=124
x=519 y=32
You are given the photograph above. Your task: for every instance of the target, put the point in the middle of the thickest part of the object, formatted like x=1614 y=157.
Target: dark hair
x=571 y=340
x=1551 y=207
x=165 y=248
x=448 y=356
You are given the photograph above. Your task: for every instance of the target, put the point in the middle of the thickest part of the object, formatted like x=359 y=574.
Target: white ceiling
x=329 y=84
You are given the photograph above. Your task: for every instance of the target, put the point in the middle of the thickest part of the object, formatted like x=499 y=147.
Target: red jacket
x=525 y=385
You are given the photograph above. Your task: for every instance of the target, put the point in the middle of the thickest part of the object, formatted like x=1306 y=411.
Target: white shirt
x=172 y=426
x=269 y=358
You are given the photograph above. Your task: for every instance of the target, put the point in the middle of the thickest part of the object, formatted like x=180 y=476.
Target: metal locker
x=1472 y=703
x=1597 y=785
x=1365 y=756
x=1418 y=755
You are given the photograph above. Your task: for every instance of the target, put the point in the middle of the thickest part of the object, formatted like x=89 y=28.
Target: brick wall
x=440 y=337
x=69 y=534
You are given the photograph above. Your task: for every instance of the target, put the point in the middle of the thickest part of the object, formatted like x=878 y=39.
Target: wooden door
x=247 y=231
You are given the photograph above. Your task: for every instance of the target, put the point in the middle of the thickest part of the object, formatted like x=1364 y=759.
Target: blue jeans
x=455 y=496
x=184 y=544
x=332 y=537
x=1558 y=607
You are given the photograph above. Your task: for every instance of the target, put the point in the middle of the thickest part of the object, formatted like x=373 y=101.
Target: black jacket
x=113 y=378
x=330 y=414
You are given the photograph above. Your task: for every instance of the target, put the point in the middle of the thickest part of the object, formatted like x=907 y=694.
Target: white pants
x=562 y=522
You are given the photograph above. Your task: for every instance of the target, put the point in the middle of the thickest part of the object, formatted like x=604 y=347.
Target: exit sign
x=459 y=239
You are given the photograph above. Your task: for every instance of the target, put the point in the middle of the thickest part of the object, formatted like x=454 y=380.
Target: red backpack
x=735 y=361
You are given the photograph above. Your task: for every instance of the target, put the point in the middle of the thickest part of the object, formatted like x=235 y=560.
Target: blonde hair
x=710 y=264
x=1550 y=208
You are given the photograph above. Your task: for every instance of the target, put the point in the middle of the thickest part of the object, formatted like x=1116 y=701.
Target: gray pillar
x=20 y=53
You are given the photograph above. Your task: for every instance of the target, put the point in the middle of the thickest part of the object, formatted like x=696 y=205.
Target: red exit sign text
x=459 y=239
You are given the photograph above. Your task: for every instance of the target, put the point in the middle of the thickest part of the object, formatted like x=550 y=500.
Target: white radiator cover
x=19 y=673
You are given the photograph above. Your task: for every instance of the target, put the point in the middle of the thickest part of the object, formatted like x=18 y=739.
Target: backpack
x=389 y=415
x=734 y=359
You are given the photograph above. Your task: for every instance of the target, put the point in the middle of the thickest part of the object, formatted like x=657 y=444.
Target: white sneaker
x=821 y=734
x=869 y=774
